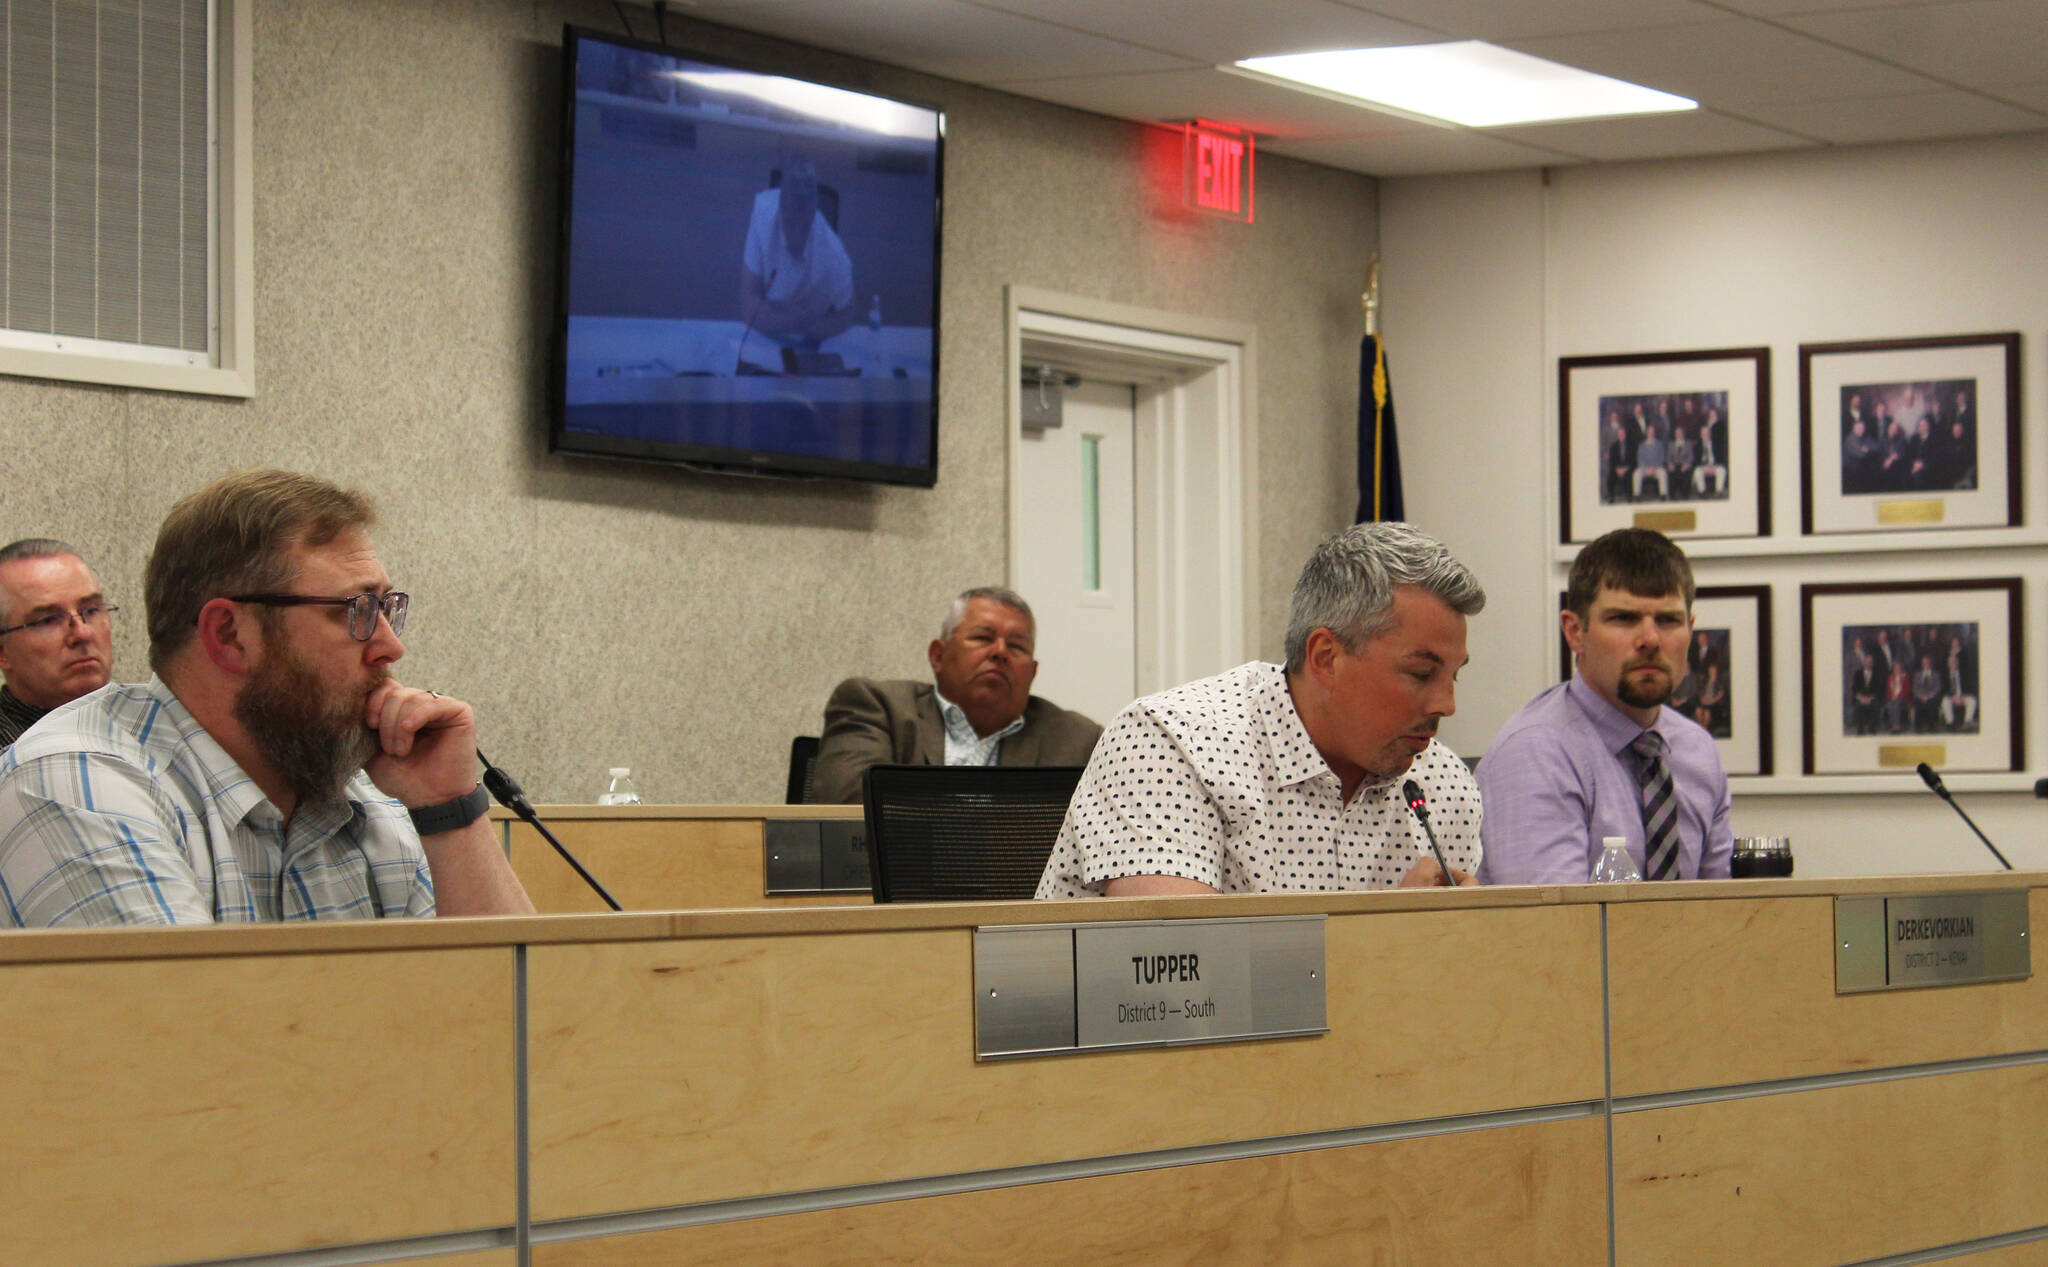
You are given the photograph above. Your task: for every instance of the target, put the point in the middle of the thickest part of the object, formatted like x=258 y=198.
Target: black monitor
x=749 y=268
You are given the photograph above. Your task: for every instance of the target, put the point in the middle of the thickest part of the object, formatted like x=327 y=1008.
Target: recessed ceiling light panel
x=1469 y=82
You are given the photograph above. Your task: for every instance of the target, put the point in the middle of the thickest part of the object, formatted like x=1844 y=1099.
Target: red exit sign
x=1217 y=171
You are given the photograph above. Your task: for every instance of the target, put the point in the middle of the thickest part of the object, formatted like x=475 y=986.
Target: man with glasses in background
x=56 y=632
x=272 y=768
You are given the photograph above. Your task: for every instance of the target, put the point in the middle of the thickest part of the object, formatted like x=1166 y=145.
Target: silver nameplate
x=812 y=856
x=1152 y=983
x=1907 y=942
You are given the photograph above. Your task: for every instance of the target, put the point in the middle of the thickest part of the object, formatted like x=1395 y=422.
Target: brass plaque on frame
x=1908 y=755
x=1921 y=510
x=1668 y=520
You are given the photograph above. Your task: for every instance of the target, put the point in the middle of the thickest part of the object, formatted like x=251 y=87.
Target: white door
x=1076 y=555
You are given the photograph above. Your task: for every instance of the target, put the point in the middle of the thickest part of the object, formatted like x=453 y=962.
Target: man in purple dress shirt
x=1562 y=773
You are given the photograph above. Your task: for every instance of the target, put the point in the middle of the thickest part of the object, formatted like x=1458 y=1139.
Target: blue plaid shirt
x=121 y=809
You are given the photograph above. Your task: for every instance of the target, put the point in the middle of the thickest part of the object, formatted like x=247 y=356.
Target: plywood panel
x=1528 y=1195
x=1836 y=1175
x=1713 y=993
x=478 y=1258
x=160 y=1111
x=652 y=865
x=2031 y=1254
x=699 y=1070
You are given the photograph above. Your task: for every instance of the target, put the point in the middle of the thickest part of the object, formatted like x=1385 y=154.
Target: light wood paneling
x=478 y=1258
x=653 y=865
x=1528 y=1195
x=671 y=1073
x=164 y=1111
x=2031 y=1254
x=1714 y=993
x=1836 y=1175
x=233 y=940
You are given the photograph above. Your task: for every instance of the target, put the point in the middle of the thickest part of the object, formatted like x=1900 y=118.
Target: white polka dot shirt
x=1217 y=781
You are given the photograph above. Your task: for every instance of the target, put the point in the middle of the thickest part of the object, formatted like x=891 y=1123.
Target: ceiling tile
x=1969 y=44
x=1498 y=21
x=1424 y=152
x=1263 y=108
x=940 y=37
x=1917 y=117
x=1730 y=64
x=1216 y=33
x=1653 y=136
x=1840 y=71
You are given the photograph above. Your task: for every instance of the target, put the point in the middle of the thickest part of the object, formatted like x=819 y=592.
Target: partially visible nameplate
x=1046 y=989
x=1907 y=942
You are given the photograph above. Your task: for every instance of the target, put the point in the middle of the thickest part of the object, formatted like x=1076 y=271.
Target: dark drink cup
x=1761 y=856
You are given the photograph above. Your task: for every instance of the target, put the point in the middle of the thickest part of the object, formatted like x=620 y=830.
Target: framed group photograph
x=1725 y=682
x=1909 y=671
x=1675 y=441
x=1906 y=434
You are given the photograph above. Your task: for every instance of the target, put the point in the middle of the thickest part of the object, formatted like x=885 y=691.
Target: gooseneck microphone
x=1940 y=789
x=1420 y=805
x=509 y=794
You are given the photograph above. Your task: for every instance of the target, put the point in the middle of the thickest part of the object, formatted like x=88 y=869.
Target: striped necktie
x=1660 y=807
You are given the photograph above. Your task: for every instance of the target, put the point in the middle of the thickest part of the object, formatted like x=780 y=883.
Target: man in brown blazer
x=977 y=710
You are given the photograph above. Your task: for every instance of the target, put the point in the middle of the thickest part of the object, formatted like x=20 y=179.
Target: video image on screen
x=751 y=268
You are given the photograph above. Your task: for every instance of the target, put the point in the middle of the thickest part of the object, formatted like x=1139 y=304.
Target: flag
x=1379 y=457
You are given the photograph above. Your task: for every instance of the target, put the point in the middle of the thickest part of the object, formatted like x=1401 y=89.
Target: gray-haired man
x=1288 y=779
x=978 y=708
x=56 y=632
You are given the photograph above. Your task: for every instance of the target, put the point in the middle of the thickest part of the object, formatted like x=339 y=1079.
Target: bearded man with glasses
x=272 y=768
x=56 y=632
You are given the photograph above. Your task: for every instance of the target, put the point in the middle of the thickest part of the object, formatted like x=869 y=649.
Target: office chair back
x=963 y=833
x=803 y=770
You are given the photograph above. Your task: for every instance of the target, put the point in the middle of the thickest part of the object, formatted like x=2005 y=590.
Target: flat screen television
x=749 y=268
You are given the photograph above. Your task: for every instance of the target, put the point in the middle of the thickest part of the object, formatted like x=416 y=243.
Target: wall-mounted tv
x=749 y=268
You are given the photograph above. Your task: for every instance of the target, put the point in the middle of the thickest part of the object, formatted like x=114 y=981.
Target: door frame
x=1195 y=437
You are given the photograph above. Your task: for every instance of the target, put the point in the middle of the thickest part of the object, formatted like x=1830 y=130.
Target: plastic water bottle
x=619 y=790
x=1615 y=866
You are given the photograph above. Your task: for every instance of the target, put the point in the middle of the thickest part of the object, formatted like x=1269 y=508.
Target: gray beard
x=315 y=745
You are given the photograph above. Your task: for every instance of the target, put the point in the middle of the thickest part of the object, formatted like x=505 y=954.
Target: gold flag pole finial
x=1371 y=297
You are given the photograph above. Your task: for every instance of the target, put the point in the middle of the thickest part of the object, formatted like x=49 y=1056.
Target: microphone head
x=506 y=791
x=1929 y=777
x=1413 y=791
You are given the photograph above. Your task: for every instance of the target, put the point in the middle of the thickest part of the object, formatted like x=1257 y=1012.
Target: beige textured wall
x=601 y=613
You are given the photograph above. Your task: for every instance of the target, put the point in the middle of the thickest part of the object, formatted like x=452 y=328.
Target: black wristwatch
x=431 y=820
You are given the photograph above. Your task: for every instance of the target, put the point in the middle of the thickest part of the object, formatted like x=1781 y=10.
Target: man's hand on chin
x=428 y=744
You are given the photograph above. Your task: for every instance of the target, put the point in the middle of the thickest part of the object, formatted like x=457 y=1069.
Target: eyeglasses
x=92 y=616
x=362 y=609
